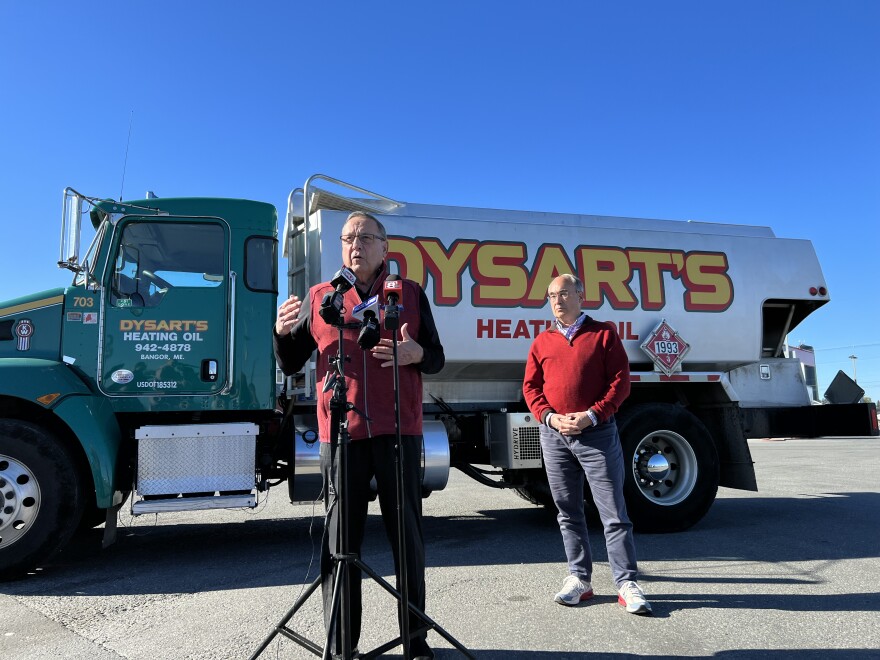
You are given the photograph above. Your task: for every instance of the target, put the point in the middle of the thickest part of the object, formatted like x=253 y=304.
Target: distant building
x=807 y=357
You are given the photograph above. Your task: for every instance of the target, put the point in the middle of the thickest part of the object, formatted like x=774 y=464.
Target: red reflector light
x=813 y=291
x=822 y=290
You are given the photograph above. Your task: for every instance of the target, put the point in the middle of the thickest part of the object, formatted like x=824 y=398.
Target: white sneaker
x=574 y=590
x=633 y=598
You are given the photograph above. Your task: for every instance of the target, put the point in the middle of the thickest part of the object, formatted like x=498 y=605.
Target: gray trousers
x=596 y=455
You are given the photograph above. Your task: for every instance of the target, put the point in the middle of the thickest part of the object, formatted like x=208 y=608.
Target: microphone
x=367 y=314
x=331 y=305
x=393 y=290
x=366 y=308
x=343 y=280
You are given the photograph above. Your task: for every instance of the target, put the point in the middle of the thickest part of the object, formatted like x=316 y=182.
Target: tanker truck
x=151 y=379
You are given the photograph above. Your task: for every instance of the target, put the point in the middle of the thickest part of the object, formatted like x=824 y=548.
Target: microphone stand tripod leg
x=403 y=578
x=334 y=609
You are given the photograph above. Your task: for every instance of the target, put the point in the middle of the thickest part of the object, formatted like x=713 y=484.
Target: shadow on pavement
x=748 y=654
x=270 y=552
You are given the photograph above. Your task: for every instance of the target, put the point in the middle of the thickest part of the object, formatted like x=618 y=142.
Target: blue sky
x=744 y=112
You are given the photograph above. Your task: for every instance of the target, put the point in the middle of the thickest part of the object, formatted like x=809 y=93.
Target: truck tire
x=671 y=467
x=537 y=493
x=92 y=517
x=41 y=500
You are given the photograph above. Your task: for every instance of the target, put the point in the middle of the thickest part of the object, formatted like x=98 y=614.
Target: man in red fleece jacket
x=298 y=331
x=577 y=376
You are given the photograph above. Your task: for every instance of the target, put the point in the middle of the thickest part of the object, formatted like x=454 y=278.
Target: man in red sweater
x=577 y=376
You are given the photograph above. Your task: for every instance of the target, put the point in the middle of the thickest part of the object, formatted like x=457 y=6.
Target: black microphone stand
x=340 y=613
x=405 y=607
x=391 y=323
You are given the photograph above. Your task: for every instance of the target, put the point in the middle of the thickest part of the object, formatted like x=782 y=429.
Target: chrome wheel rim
x=19 y=500
x=665 y=468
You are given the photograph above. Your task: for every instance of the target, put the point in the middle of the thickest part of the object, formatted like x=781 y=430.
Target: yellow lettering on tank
x=651 y=265
x=709 y=288
x=501 y=278
x=447 y=267
x=550 y=263
x=606 y=274
x=406 y=253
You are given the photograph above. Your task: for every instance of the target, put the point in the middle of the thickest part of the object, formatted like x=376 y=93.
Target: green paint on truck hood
x=30 y=326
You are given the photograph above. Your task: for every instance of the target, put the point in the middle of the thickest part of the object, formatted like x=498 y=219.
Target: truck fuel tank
x=306 y=484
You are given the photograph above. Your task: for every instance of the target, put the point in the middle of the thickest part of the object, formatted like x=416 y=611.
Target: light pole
x=854 y=357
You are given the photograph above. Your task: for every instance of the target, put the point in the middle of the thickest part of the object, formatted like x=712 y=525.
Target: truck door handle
x=209 y=370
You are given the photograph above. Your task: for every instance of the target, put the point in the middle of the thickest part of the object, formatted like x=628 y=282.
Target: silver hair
x=571 y=279
x=363 y=214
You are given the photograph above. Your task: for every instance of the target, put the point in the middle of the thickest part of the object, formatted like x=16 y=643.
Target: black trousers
x=368 y=458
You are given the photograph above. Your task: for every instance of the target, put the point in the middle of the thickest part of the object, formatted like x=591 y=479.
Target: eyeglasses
x=562 y=295
x=365 y=239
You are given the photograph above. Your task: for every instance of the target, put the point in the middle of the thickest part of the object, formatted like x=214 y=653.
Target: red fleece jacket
x=590 y=371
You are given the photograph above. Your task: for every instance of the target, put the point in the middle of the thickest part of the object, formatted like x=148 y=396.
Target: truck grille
x=514 y=441
x=526 y=443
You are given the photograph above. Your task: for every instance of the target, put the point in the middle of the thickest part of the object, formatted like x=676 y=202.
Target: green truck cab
x=150 y=376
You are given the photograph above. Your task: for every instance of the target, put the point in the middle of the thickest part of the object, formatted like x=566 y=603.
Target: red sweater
x=591 y=371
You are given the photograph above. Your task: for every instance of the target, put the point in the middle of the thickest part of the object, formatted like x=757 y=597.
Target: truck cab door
x=165 y=330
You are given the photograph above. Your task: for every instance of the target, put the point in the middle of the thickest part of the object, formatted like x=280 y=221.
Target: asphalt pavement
x=789 y=572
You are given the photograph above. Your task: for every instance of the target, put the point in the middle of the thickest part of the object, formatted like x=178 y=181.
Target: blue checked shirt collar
x=569 y=331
